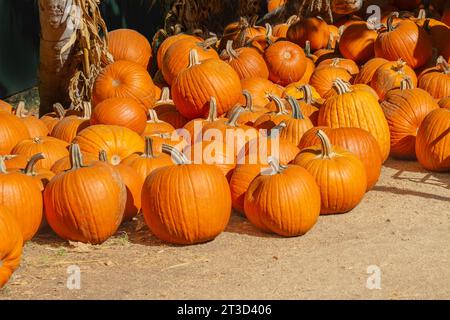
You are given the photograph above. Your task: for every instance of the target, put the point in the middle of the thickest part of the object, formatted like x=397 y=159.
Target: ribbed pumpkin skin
x=433 y=141
x=173 y=210
x=286 y=62
x=445 y=103
x=341 y=178
x=52 y=148
x=358 y=141
x=287 y=203
x=357 y=42
x=86 y=204
x=435 y=82
x=176 y=58
x=390 y=75
x=406 y=41
x=124 y=79
x=35 y=126
x=358 y=109
x=367 y=71
x=125 y=112
x=313 y=29
x=67 y=128
x=248 y=63
x=405 y=111
x=167 y=43
x=322 y=78
x=10 y=245
x=260 y=88
x=129 y=45
x=118 y=142
x=12 y=131
x=22 y=195
x=194 y=87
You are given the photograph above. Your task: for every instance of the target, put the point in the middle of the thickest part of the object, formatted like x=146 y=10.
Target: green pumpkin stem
x=29 y=168
x=307 y=93
x=177 y=156
x=296 y=111
x=76 y=157
x=327 y=148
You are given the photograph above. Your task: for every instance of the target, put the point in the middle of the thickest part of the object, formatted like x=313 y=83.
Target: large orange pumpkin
x=323 y=78
x=165 y=45
x=436 y=81
x=356 y=108
x=124 y=79
x=171 y=205
x=194 y=87
x=445 y=103
x=311 y=29
x=339 y=174
x=285 y=201
x=86 y=203
x=368 y=70
x=433 y=141
x=10 y=245
x=405 y=109
x=12 y=131
x=129 y=45
x=260 y=90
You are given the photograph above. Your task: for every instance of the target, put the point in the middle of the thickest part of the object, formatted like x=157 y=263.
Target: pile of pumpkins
x=339 y=98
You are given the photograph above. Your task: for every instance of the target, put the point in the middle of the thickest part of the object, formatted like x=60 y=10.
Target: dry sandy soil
x=402 y=226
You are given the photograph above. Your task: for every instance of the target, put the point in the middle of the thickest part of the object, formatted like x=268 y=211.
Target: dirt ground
x=402 y=227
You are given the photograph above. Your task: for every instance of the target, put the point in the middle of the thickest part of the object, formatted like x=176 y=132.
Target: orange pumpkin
x=35 y=126
x=272 y=5
x=297 y=125
x=436 y=81
x=42 y=175
x=117 y=142
x=346 y=64
x=313 y=29
x=154 y=125
x=86 y=203
x=286 y=62
x=285 y=201
x=68 y=127
x=51 y=119
x=269 y=120
x=340 y=175
x=15 y=161
x=125 y=112
x=194 y=87
x=129 y=45
x=368 y=70
x=171 y=206
x=323 y=78
x=167 y=111
x=12 y=131
x=433 y=141
x=357 y=42
x=309 y=101
x=63 y=164
x=280 y=30
x=359 y=109
x=167 y=43
x=6 y=107
x=260 y=90
x=445 y=103
x=21 y=195
x=10 y=245
x=249 y=115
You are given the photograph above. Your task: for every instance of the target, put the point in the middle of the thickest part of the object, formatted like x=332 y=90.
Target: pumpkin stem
x=177 y=156
x=148 y=151
x=422 y=14
x=406 y=84
x=102 y=156
x=307 y=49
x=29 y=169
x=281 y=109
x=327 y=148
x=153 y=116
x=399 y=66
x=330 y=42
x=248 y=100
x=193 y=58
x=390 y=21
x=76 y=157
x=307 y=93
x=269 y=33
x=342 y=86
x=292 y=19
x=212 y=114
x=20 y=110
x=87 y=110
x=165 y=94
x=59 y=110
x=443 y=64
x=274 y=163
x=230 y=51
x=3 y=165
x=296 y=111
x=275 y=131
x=341 y=30
x=335 y=62
x=235 y=117
x=208 y=43
x=37 y=140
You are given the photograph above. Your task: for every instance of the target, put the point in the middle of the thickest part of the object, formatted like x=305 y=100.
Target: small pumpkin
x=309 y=102
x=269 y=120
x=42 y=175
x=86 y=203
x=346 y=64
x=129 y=45
x=68 y=127
x=280 y=30
x=285 y=201
x=436 y=81
x=297 y=125
x=51 y=119
x=171 y=206
x=249 y=115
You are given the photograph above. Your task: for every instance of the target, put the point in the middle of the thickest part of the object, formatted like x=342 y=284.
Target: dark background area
x=19 y=35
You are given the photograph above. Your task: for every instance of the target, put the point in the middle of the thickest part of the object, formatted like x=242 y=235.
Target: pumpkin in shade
x=36 y=127
x=177 y=59
x=6 y=107
x=339 y=174
x=407 y=4
x=405 y=109
x=194 y=87
x=51 y=119
x=446 y=16
x=117 y=142
x=323 y=78
x=241 y=32
x=436 y=81
x=133 y=184
x=404 y=40
x=167 y=43
x=167 y=111
x=272 y=5
x=148 y=161
x=11 y=243
x=125 y=112
x=297 y=125
x=12 y=131
x=86 y=203
x=439 y=34
x=358 y=141
x=433 y=141
x=280 y=30
x=286 y=62
x=261 y=89
x=52 y=148
x=262 y=42
x=124 y=79
x=390 y=75
x=359 y=109
x=284 y=200
x=21 y=195
x=310 y=29
x=247 y=62
x=171 y=205
x=68 y=127
x=154 y=125
x=368 y=70
x=445 y=103
x=129 y=45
